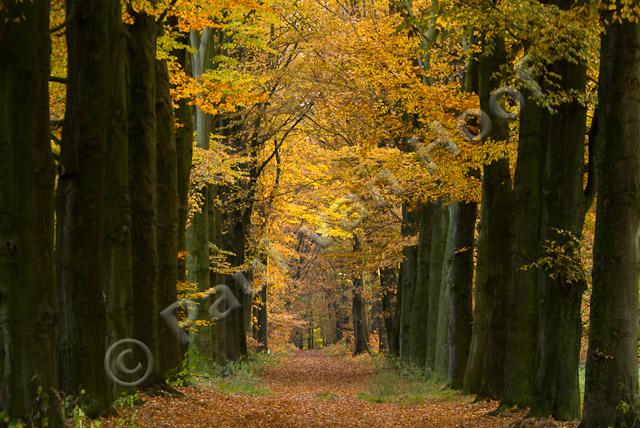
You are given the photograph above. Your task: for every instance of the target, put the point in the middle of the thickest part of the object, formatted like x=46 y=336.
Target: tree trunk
x=388 y=281
x=143 y=183
x=168 y=216
x=485 y=367
x=462 y=222
x=116 y=274
x=520 y=358
x=407 y=283
x=91 y=35
x=612 y=369
x=27 y=286
x=438 y=227
x=262 y=333
x=564 y=208
x=231 y=341
x=360 y=323
x=463 y=217
x=441 y=365
x=201 y=226
x=184 y=153
x=420 y=304
x=379 y=326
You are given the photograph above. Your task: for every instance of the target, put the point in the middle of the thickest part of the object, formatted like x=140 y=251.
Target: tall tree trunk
x=184 y=153
x=438 y=227
x=407 y=283
x=520 y=358
x=388 y=281
x=199 y=230
x=27 y=291
x=168 y=215
x=358 y=308
x=612 y=369
x=394 y=344
x=462 y=223
x=462 y=219
x=143 y=182
x=420 y=304
x=564 y=210
x=485 y=367
x=377 y=314
x=441 y=364
x=360 y=323
x=231 y=341
x=260 y=314
x=80 y=199
x=262 y=333
x=116 y=274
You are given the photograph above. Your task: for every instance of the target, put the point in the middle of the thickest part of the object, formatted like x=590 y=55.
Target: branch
x=58 y=27
x=70 y=16
x=279 y=145
x=55 y=124
x=57 y=79
x=164 y=13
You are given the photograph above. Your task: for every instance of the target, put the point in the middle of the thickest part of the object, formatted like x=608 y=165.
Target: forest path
x=311 y=389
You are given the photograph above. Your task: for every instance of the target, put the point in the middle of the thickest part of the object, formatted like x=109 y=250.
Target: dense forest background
x=453 y=183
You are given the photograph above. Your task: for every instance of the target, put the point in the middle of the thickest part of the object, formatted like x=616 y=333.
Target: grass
x=240 y=377
x=326 y=395
x=390 y=384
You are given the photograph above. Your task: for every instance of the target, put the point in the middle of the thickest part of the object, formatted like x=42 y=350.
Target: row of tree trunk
x=521 y=344
x=120 y=212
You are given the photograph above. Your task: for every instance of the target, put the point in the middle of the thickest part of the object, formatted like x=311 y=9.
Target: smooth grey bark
x=612 y=369
x=27 y=285
x=199 y=231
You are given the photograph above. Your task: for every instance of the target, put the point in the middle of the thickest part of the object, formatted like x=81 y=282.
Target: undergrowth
x=241 y=377
x=392 y=383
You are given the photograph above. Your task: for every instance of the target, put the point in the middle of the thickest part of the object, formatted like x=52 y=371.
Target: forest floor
x=319 y=388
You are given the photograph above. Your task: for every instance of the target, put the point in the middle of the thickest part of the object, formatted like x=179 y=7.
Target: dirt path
x=310 y=389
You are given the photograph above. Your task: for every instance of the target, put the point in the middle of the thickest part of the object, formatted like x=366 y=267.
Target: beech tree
x=28 y=313
x=612 y=372
x=92 y=35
